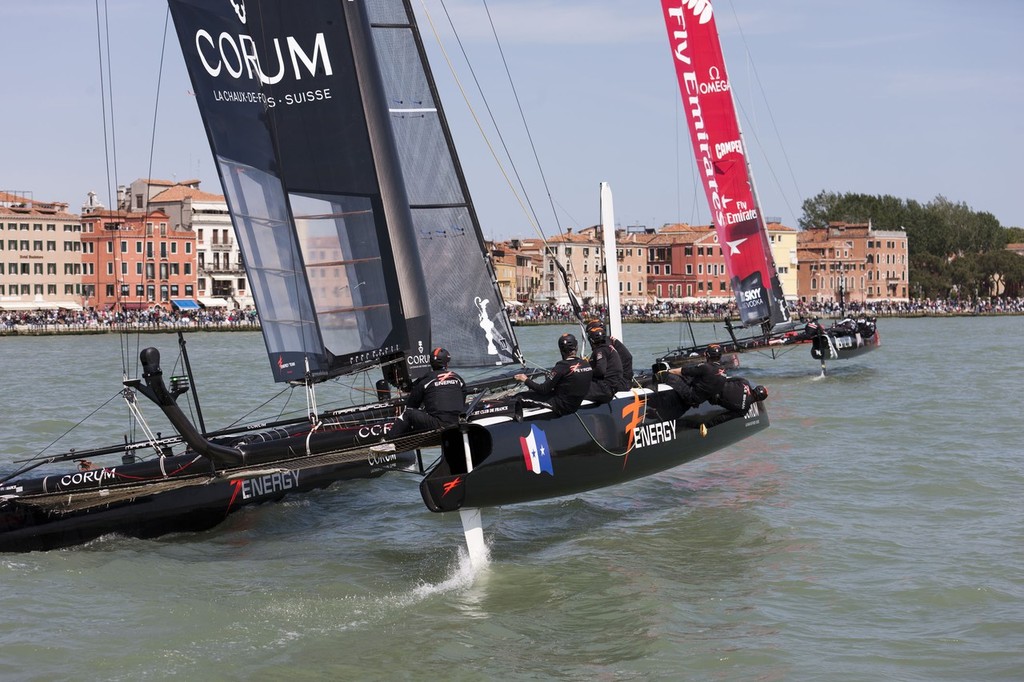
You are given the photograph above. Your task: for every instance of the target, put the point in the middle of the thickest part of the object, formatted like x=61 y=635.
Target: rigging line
x=80 y=422
x=522 y=116
x=149 y=170
x=771 y=116
x=764 y=156
x=110 y=149
x=476 y=119
x=245 y=416
x=103 y=99
x=487 y=105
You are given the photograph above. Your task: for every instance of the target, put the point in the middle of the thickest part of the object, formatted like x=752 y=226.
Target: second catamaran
x=724 y=169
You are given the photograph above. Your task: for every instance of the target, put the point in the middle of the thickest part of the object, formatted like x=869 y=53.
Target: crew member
x=436 y=400
x=567 y=382
x=627 y=361
x=607 y=366
x=703 y=381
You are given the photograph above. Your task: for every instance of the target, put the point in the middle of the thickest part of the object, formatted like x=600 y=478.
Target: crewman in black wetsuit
x=703 y=381
x=567 y=383
x=436 y=400
x=627 y=361
x=607 y=365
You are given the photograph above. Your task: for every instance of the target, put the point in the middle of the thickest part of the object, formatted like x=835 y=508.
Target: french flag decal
x=536 y=451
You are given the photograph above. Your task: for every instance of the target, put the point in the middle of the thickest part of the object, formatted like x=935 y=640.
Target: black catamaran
x=363 y=252
x=724 y=168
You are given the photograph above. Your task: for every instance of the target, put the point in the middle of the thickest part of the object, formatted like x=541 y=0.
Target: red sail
x=721 y=160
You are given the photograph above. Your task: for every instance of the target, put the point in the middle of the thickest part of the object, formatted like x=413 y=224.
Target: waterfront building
x=134 y=260
x=40 y=254
x=870 y=265
x=783 y=242
x=504 y=265
x=220 y=270
x=580 y=255
x=687 y=265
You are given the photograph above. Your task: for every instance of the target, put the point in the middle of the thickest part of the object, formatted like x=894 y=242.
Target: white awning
x=214 y=302
x=39 y=305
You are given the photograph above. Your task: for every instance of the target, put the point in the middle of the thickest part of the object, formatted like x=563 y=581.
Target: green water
x=874 y=532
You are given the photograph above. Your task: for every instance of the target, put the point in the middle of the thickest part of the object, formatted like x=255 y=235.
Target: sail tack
x=722 y=160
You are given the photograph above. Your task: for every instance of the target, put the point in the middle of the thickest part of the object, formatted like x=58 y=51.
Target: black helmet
x=567 y=345
x=595 y=332
x=713 y=352
x=439 y=358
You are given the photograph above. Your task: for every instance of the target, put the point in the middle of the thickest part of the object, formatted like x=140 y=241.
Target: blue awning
x=185 y=304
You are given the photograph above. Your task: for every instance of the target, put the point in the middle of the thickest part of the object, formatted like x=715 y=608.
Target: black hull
x=503 y=472
x=843 y=347
x=180 y=493
x=830 y=344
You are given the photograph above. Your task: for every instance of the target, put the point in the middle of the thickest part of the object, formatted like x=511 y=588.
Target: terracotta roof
x=674 y=227
x=125 y=215
x=573 y=238
x=50 y=211
x=180 y=192
x=170 y=183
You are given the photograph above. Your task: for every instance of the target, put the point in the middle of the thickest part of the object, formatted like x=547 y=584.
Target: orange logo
x=451 y=485
x=633 y=414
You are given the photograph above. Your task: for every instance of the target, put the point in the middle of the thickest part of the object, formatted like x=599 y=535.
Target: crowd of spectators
x=670 y=311
x=156 y=318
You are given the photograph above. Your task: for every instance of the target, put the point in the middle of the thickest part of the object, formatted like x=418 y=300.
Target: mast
x=611 y=262
x=722 y=161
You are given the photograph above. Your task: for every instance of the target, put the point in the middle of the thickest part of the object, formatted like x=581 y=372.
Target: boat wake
x=462 y=574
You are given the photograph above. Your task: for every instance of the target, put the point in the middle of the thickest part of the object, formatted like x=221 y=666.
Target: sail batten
x=722 y=161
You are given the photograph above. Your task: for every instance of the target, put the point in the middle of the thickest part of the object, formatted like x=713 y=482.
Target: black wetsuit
x=627 y=363
x=607 y=373
x=435 y=400
x=706 y=381
x=567 y=384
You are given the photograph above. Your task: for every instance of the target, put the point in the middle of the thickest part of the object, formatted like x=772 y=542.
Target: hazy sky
x=913 y=98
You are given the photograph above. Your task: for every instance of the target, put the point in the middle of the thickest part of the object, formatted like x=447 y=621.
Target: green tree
x=1003 y=271
x=928 y=276
x=1014 y=235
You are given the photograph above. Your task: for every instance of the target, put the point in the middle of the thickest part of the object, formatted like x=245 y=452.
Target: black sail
x=467 y=314
x=292 y=100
